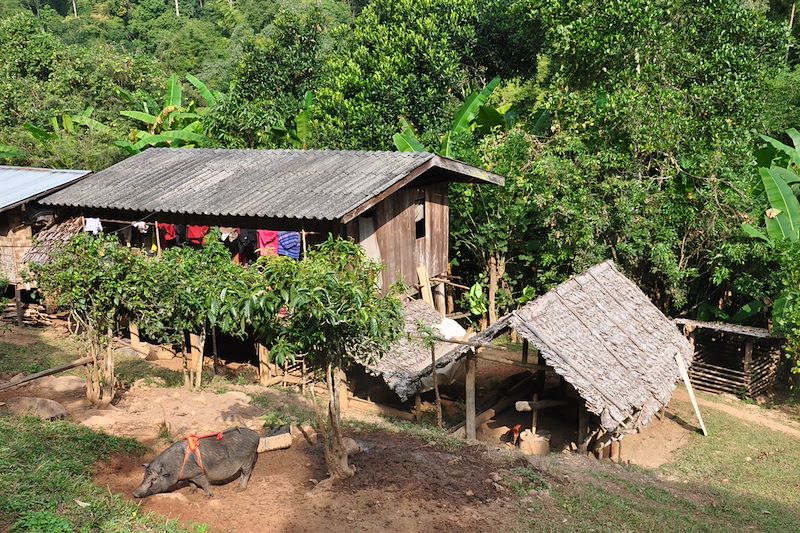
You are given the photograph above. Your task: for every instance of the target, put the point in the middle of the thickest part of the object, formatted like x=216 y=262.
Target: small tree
x=89 y=276
x=326 y=308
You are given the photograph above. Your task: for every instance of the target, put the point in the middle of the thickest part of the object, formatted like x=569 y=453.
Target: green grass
x=131 y=368
x=45 y=481
x=744 y=459
x=284 y=407
x=40 y=355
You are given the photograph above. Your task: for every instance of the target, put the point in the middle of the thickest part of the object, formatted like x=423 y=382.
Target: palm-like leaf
x=781 y=198
x=174 y=95
x=204 y=91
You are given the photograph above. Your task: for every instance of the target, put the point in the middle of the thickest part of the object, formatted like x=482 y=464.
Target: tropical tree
x=89 y=277
x=325 y=308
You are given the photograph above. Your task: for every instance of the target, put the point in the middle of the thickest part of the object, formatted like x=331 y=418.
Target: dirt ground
x=402 y=484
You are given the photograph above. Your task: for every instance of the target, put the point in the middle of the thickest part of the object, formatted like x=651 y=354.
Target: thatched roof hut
x=605 y=337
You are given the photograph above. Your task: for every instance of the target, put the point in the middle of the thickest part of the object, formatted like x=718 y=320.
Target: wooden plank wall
x=395 y=230
x=437 y=229
x=394 y=223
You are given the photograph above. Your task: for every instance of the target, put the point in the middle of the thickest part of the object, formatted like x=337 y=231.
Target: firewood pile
x=33 y=315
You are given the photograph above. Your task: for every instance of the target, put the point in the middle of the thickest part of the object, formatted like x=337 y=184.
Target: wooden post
x=535 y=416
x=685 y=375
x=439 y=421
x=469 y=403
x=158 y=236
x=615 y=451
x=525 y=350
x=748 y=362
x=303 y=240
x=439 y=301
x=583 y=421
x=417 y=408
x=18 y=303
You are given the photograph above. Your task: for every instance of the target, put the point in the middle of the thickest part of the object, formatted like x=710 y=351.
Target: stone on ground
x=39 y=407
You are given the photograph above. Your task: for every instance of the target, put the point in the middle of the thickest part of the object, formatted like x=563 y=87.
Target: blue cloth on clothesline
x=289 y=244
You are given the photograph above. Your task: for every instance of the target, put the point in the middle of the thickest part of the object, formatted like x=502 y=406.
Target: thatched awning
x=406 y=367
x=48 y=240
x=604 y=336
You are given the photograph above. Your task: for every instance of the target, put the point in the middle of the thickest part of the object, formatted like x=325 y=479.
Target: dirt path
x=773 y=420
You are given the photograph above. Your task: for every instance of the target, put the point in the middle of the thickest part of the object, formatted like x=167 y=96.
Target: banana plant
x=175 y=124
x=298 y=135
x=782 y=216
x=66 y=124
x=473 y=115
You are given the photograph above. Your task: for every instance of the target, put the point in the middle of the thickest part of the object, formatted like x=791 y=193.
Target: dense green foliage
x=628 y=128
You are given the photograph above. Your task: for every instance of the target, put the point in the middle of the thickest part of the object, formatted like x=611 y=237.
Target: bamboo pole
x=49 y=372
x=469 y=405
x=685 y=375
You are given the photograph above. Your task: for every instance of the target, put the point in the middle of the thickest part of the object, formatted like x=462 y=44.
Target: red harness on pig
x=193 y=448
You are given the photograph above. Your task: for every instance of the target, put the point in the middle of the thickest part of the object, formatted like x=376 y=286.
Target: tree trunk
x=107 y=381
x=497 y=268
x=74 y=9
x=177 y=10
x=335 y=452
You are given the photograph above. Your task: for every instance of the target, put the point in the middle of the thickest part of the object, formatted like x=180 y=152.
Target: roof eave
x=44 y=193
x=472 y=175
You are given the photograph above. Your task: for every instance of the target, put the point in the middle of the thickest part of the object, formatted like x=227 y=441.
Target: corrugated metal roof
x=18 y=184
x=303 y=184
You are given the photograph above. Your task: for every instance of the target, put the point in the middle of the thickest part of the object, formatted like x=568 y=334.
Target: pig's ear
x=145 y=465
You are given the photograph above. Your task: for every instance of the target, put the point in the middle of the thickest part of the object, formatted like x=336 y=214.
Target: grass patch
x=741 y=458
x=39 y=355
x=284 y=407
x=131 y=368
x=523 y=480
x=45 y=481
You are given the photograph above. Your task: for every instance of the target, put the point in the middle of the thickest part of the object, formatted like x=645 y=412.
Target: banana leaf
x=204 y=91
x=39 y=133
x=793 y=154
x=139 y=115
x=92 y=124
x=174 y=96
x=127 y=146
x=69 y=126
x=782 y=198
x=753 y=232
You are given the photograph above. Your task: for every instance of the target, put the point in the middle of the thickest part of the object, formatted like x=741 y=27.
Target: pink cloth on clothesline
x=267 y=242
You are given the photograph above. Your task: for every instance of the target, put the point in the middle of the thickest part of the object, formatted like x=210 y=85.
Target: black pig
x=222 y=460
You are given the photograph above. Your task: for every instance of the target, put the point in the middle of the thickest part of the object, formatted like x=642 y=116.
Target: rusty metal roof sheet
x=300 y=184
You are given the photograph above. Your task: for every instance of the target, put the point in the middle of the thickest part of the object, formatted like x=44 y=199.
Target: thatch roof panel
x=603 y=335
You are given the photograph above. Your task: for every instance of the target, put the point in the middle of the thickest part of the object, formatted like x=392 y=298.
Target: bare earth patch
x=402 y=484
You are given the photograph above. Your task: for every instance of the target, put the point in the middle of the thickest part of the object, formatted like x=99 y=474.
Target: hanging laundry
x=267 y=242
x=167 y=233
x=289 y=244
x=247 y=245
x=196 y=234
x=140 y=226
x=180 y=231
x=93 y=226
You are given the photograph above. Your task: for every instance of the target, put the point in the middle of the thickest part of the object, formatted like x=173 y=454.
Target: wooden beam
x=417 y=408
x=425 y=285
x=18 y=303
x=583 y=421
x=685 y=375
x=496 y=358
x=524 y=350
x=470 y=398
x=439 y=301
x=537 y=405
x=748 y=363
